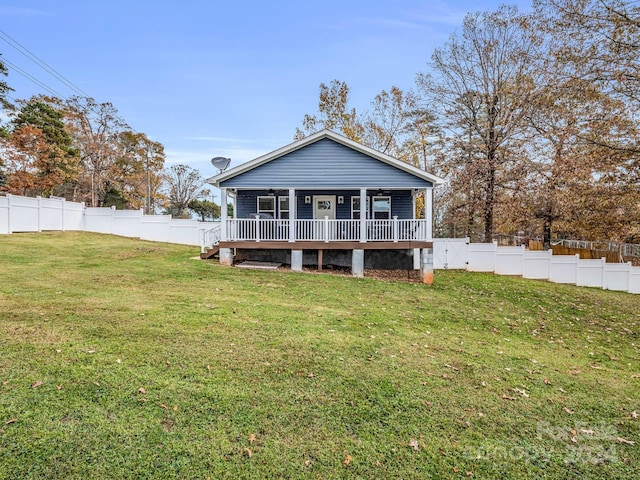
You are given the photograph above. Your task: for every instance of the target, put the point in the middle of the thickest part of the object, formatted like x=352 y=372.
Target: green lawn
x=128 y=359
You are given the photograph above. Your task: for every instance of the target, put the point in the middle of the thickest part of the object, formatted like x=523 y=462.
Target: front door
x=324 y=206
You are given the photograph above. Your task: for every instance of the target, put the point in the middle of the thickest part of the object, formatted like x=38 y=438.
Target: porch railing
x=209 y=237
x=326 y=230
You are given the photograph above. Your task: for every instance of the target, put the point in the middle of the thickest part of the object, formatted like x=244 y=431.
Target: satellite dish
x=221 y=163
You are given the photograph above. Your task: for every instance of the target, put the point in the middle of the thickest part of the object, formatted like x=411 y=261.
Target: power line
x=32 y=78
x=41 y=63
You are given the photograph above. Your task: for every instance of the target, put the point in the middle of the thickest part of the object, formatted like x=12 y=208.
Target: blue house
x=326 y=200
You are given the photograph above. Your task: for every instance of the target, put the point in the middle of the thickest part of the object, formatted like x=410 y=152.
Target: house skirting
x=355 y=255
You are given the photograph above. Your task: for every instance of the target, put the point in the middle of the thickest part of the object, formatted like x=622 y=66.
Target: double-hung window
x=267 y=206
x=355 y=208
x=283 y=207
x=382 y=207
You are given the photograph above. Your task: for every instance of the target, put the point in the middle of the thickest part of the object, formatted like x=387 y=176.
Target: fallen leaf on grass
x=9 y=422
x=142 y=390
x=570 y=412
x=248 y=452
x=164 y=405
x=175 y=408
x=507 y=397
x=413 y=443
x=347 y=461
x=547 y=381
x=521 y=392
x=624 y=440
x=252 y=438
x=36 y=384
x=634 y=414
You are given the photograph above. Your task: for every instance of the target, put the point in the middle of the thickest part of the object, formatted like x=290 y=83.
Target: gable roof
x=292 y=147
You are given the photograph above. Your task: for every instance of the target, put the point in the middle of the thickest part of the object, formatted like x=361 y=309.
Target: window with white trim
x=382 y=208
x=283 y=207
x=267 y=205
x=355 y=208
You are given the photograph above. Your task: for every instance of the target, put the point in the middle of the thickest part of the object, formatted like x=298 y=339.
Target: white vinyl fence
x=569 y=269
x=24 y=214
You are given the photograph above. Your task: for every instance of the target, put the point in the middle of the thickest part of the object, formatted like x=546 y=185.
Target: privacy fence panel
x=509 y=260
x=4 y=216
x=482 y=257
x=590 y=273
x=616 y=276
x=536 y=264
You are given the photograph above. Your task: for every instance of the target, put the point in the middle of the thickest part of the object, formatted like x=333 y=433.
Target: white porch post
x=223 y=214
x=234 y=200
x=413 y=203
x=363 y=215
x=416 y=251
x=428 y=211
x=293 y=215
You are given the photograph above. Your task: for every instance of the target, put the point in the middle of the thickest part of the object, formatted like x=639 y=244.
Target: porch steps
x=210 y=253
x=258 y=265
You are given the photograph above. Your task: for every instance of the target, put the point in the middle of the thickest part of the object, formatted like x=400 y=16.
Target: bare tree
x=183 y=184
x=95 y=128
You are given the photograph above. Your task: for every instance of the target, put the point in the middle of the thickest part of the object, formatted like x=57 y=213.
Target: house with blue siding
x=327 y=200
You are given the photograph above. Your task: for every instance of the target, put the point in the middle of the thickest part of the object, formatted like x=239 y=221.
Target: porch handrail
x=210 y=237
x=326 y=230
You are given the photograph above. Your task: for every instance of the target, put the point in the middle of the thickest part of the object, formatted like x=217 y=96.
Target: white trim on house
x=250 y=165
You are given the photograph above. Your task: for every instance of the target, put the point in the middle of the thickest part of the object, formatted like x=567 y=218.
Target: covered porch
x=295 y=215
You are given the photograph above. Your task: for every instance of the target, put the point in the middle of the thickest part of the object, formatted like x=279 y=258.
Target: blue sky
x=232 y=78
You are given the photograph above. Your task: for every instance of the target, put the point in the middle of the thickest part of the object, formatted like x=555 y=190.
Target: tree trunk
x=546 y=232
x=489 y=203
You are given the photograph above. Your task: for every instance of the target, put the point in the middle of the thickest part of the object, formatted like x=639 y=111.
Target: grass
x=128 y=359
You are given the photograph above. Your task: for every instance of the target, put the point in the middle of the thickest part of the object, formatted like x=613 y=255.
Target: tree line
x=84 y=151
x=532 y=118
